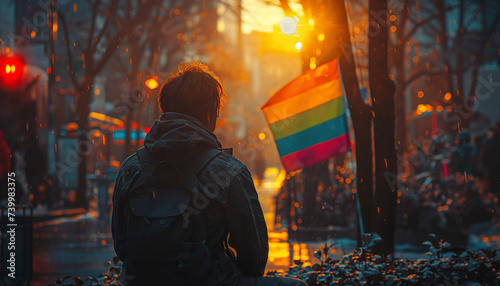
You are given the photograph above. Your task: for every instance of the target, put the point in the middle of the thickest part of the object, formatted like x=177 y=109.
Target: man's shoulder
x=131 y=163
x=129 y=167
x=224 y=165
x=227 y=161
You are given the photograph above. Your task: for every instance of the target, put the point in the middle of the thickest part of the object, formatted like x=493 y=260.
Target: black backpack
x=166 y=236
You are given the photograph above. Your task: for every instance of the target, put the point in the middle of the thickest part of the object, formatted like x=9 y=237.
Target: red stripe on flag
x=308 y=80
x=316 y=153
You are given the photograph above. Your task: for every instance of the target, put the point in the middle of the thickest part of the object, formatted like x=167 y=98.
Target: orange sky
x=263 y=17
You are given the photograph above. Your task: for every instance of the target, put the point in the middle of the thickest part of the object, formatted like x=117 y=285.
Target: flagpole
x=295 y=211
x=358 y=205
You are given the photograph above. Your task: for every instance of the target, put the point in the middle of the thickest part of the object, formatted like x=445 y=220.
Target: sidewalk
x=42 y=214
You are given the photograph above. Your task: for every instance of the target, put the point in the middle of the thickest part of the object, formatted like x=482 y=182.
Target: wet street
x=82 y=245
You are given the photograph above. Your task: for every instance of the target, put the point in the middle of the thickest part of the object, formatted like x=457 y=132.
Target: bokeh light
x=152 y=83
x=298 y=46
x=421 y=108
x=312 y=63
x=288 y=26
x=447 y=96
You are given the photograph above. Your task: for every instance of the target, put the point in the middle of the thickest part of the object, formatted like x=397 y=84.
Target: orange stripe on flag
x=306 y=81
x=302 y=102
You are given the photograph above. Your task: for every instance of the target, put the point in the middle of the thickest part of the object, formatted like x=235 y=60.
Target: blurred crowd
x=444 y=183
x=478 y=156
x=450 y=186
x=25 y=158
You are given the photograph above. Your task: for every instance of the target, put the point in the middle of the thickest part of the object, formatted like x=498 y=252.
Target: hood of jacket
x=176 y=135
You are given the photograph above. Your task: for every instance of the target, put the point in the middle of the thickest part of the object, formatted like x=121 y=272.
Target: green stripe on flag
x=307 y=119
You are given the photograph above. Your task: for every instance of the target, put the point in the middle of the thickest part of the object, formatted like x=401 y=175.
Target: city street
x=370 y=128
x=80 y=246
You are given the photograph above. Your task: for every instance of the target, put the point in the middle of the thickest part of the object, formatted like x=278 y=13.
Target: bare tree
x=161 y=43
x=446 y=51
x=106 y=24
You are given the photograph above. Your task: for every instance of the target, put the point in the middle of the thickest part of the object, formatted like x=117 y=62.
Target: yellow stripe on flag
x=303 y=102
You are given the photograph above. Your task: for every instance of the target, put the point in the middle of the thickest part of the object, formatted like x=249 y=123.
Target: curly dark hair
x=194 y=90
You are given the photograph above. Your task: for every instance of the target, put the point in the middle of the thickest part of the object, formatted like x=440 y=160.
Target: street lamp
x=152 y=83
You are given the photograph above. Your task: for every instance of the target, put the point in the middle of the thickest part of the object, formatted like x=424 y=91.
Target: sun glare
x=262 y=17
x=288 y=26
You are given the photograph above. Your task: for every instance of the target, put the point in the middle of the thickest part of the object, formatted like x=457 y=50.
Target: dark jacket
x=232 y=208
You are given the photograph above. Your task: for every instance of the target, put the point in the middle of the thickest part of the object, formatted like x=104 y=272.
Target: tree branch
x=113 y=43
x=479 y=59
x=421 y=73
x=286 y=8
x=112 y=9
x=68 y=51
x=419 y=25
x=92 y=23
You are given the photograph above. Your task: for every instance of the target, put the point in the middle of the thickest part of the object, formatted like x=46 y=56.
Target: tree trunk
x=459 y=97
x=314 y=176
x=443 y=40
x=382 y=91
x=400 y=98
x=400 y=113
x=84 y=145
x=361 y=117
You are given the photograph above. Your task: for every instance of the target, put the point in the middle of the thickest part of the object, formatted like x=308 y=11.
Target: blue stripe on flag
x=320 y=133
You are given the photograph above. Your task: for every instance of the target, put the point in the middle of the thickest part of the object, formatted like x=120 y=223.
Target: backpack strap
x=199 y=162
x=147 y=161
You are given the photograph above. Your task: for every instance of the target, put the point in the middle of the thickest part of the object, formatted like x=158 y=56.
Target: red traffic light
x=11 y=71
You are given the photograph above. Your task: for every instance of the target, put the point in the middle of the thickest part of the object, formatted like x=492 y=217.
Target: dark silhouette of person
x=491 y=160
x=477 y=163
x=34 y=169
x=461 y=158
x=191 y=100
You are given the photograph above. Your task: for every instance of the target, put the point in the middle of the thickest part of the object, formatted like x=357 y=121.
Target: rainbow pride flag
x=307 y=118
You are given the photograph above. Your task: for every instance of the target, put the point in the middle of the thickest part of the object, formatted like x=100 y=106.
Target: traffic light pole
x=54 y=126
x=52 y=60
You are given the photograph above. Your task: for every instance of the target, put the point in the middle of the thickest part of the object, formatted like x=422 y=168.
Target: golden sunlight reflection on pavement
x=281 y=252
